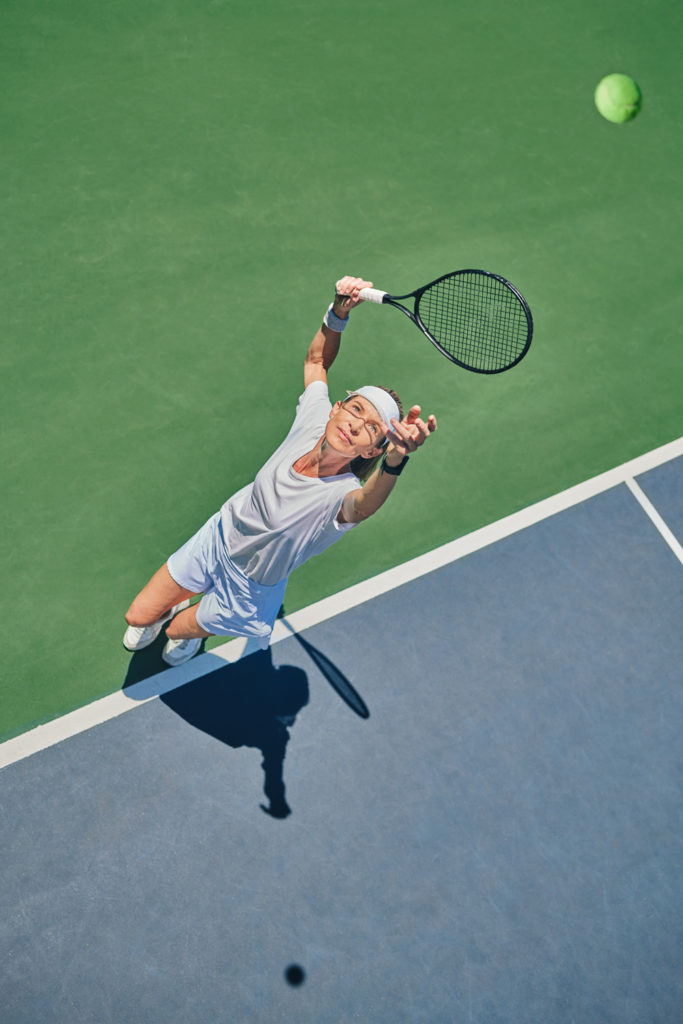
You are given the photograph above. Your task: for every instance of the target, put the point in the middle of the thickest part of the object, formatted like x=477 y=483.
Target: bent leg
x=184 y=626
x=156 y=597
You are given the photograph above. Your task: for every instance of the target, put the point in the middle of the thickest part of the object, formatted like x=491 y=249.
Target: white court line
x=117 y=703
x=654 y=515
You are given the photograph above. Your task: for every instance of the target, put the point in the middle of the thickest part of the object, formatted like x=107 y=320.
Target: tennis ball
x=618 y=98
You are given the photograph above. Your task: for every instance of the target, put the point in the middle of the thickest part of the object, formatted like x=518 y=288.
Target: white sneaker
x=137 y=637
x=177 y=652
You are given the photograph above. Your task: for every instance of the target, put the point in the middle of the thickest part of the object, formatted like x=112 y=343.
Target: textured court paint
x=499 y=842
x=163 y=163
x=656 y=519
x=663 y=485
x=157 y=679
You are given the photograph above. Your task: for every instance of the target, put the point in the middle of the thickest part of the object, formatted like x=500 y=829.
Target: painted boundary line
x=115 y=704
x=643 y=500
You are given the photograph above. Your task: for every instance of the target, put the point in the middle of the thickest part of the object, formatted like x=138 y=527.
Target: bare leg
x=185 y=626
x=161 y=593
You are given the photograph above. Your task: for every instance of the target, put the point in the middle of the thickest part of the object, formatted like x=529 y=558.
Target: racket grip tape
x=371 y=295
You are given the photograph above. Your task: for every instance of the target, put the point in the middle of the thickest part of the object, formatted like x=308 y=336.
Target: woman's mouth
x=344 y=435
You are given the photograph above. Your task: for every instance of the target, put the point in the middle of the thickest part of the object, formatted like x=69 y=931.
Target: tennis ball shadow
x=295 y=975
x=251 y=703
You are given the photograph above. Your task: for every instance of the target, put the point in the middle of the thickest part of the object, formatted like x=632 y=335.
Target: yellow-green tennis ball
x=618 y=98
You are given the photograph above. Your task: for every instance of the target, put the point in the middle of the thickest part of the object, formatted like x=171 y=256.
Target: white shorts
x=232 y=605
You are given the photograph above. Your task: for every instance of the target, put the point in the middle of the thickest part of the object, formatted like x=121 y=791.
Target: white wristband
x=334 y=322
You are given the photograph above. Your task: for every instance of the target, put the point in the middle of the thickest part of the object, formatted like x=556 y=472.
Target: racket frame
x=394 y=300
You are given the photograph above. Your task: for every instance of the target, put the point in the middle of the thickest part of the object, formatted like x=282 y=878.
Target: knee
x=134 y=618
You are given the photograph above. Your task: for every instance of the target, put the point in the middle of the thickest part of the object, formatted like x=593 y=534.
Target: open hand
x=411 y=432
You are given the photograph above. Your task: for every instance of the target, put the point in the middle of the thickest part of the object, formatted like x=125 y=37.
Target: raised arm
x=405 y=438
x=323 y=350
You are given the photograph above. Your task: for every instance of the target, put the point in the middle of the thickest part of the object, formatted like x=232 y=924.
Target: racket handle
x=371 y=295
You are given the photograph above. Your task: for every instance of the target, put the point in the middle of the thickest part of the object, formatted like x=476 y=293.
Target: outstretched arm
x=323 y=350
x=406 y=437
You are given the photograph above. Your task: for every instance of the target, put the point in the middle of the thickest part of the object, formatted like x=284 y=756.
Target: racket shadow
x=335 y=677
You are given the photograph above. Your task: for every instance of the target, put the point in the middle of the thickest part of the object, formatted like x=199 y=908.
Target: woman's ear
x=380 y=449
x=335 y=408
x=372 y=453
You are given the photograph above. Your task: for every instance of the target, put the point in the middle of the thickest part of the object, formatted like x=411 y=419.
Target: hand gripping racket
x=475 y=318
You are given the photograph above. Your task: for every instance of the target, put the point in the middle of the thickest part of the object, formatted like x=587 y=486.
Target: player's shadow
x=251 y=703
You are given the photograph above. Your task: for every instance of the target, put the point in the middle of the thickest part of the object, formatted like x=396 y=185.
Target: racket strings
x=477 y=319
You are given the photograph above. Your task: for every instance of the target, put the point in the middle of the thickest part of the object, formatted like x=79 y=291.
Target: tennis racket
x=475 y=318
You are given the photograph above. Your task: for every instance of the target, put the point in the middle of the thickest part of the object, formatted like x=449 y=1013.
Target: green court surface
x=183 y=183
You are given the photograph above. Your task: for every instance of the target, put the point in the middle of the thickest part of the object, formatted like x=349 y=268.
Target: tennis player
x=336 y=467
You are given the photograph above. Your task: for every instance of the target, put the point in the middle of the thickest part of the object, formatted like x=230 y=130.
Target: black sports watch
x=394 y=470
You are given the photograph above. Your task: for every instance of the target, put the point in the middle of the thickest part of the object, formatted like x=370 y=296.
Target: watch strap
x=394 y=470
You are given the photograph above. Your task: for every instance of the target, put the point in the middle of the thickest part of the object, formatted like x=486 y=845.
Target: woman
x=302 y=500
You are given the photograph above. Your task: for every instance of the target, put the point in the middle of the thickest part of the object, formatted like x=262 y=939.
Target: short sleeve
x=315 y=399
x=333 y=528
x=342 y=527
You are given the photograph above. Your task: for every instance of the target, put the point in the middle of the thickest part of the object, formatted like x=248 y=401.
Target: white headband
x=382 y=401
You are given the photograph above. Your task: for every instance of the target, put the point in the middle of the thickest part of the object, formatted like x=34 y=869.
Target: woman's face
x=355 y=428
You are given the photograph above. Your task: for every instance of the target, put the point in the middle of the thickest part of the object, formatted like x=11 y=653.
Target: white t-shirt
x=282 y=519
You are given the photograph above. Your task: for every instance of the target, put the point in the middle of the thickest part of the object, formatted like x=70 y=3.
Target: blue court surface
x=486 y=827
